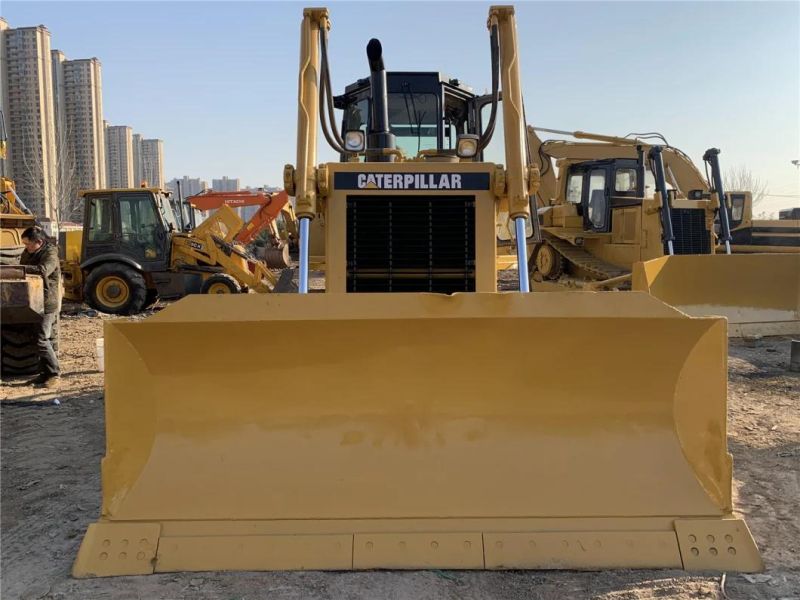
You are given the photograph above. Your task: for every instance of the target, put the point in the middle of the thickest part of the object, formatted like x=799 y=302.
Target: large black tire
x=116 y=289
x=220 y=284
x=18 y=351
x=150 y=299
x=11 y=255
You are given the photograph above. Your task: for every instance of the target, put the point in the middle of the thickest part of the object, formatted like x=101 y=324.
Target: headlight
x=467 y=145
x=354 y=141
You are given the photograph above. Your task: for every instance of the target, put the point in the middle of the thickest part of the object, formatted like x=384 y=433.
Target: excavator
x=274 y=215
x=383 y=440
x=635 y=212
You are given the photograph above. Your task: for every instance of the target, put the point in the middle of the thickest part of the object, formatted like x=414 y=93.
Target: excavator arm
x=679 y=169
x=271 y=207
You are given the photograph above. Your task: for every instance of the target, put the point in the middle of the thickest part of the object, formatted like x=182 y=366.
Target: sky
x=217 y=81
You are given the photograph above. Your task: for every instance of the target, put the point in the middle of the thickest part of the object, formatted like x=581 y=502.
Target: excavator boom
x=271 y=206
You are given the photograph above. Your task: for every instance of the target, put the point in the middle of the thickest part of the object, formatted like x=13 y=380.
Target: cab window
x=455 y=121
x=355 y=116
x=737 y=208
x=414 y=120
x=138 y=221
x=625 y=180
x=575 y=188
x=101 y=226
x=597 y=201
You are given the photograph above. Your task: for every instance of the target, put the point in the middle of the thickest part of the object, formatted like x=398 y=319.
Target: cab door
x=596 y=205
x=141 y=230
x=100 y=227
x=588 y=187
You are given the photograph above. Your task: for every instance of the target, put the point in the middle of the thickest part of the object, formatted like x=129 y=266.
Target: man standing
x=40 y=257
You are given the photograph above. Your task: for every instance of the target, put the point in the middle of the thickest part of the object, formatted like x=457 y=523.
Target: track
x=580 y=258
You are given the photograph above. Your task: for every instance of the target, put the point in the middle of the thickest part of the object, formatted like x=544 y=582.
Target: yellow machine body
x=759 y=294
x=384 y=438
x=207 y=250
x=212 y=242
x=69 y=248
x=13 y=221
x=398 y=451
x=21 y=294
x=753 y=235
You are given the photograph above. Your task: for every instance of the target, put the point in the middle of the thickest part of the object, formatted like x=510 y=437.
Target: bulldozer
x=383 y=440
x=754 y=235
x=132 y=251
x=635 y=213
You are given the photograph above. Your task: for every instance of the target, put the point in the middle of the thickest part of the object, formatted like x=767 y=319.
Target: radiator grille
x=689 y=228
x=410 y=244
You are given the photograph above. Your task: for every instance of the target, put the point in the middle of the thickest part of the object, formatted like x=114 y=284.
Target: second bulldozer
x=379 y=435
x=635 y=213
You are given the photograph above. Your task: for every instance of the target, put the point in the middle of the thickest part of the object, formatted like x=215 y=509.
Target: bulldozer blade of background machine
x=501 y=431
x=758 y=293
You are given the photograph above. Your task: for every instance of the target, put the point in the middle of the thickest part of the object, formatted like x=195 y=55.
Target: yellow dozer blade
x=758 y=293
x=500 y=431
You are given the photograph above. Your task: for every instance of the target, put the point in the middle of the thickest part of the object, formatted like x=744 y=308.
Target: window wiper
x=418 y=119
x=406 y=94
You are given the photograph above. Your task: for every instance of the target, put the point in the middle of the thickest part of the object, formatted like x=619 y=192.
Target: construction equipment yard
x=507 y=383
x=52 y=444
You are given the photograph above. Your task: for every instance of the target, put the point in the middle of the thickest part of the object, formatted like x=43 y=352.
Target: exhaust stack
x=379 y=137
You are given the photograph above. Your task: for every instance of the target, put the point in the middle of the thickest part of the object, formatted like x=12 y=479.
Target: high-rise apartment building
x=29 y=111
x=80 y=135
x=137 y=158
x=148 y=161
x=57 y=59
x=225 y=184
x=152 y=162
x=3 y=87
x=189 y=186
x=119 y=156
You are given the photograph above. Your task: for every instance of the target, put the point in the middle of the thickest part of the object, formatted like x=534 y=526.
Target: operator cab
x=596 y=187
x=427 y=111
x=132 y=223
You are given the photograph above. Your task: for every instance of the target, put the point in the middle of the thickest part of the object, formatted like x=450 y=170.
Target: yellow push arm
x=305 y=180
x=517 y=175
x=522 y=179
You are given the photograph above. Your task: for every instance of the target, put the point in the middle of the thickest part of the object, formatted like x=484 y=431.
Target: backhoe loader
x=131 y=252
x=636 y=212
x=383 y=440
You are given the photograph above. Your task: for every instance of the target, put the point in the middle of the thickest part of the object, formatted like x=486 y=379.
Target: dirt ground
x=52 y=444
